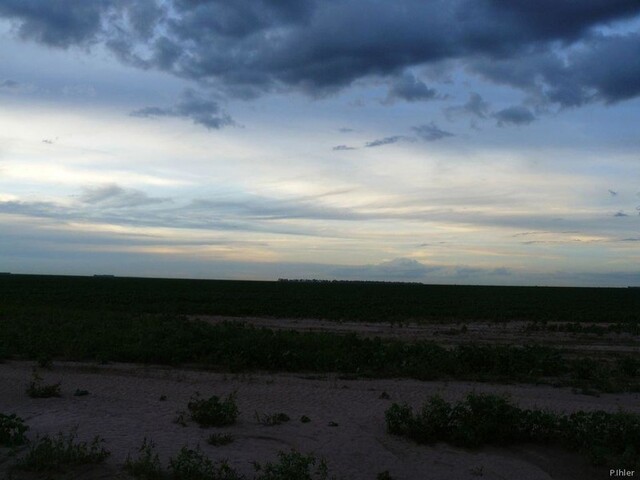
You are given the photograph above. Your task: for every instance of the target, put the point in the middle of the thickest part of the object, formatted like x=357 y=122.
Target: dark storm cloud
x=251 y=47
x=516 y=115
x=388 y=141
x=410 y=88
x=604 y=69
x=431 y=132
x=197 y=107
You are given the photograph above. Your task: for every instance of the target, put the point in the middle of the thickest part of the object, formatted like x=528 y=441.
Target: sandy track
x=124 y=407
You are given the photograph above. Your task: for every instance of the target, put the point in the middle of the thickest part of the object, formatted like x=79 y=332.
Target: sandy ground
x=124 y=407
x=449 y=333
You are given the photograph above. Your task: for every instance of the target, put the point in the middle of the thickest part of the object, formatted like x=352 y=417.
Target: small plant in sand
x=147 y=465
x=80 y=393
x=292 y=465
x=55 y=454
x=37 y=388
x=181 y=418
x=45 y=361
x=192 y=464
x=384 y=476
x=219 y=439
x=304 y=419
x=12 y=431
x=477 y=471
x=273 y=419
x=213 y=412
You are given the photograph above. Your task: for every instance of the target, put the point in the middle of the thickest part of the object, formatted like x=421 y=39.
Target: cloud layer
x=552 y=49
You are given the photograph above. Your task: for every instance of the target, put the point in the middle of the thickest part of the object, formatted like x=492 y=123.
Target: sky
x=449 y=142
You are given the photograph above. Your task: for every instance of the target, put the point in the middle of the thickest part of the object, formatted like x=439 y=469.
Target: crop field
x=346 y=301
x=147 y=321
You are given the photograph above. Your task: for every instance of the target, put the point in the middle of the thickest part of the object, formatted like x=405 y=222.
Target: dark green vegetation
x=293 y=465
x=137 y=320
x=192 y=464
x=147 y=465
x=384 y=476
x=234 y=347
x=632 y=328
x=605 y=438
x=56 y=454
x=213 y=412
x=12 y=431
x=369 y=301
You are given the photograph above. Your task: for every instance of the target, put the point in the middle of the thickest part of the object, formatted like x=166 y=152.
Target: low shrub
x=481 y=419
x=55 y=454
x=147 y=465
x=213 y=412
x=384 y=476
x=194 y=465
x=293 y=465
x=12 y=431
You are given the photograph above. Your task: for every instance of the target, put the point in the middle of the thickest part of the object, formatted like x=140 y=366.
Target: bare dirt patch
x=127 y=403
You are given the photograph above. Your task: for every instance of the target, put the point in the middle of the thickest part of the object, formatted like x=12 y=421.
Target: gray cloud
x=612 y=193
x=388 y=141
x=516 y=115
x=431 y=132
x=252 y=47
x=409 y=88
x=114 y=196
x=9 y=84
x=398 y=269
x=620 y=214
x=200 y=109
x=345 y=130
x=476 y=107
x=343 y=147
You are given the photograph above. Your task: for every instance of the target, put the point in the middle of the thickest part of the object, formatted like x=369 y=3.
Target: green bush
x=213 y=412
x=147 y=465
x=55 y=454
x=481 y=419
x=12 y=431
x=194 y=465
x=292 y=465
